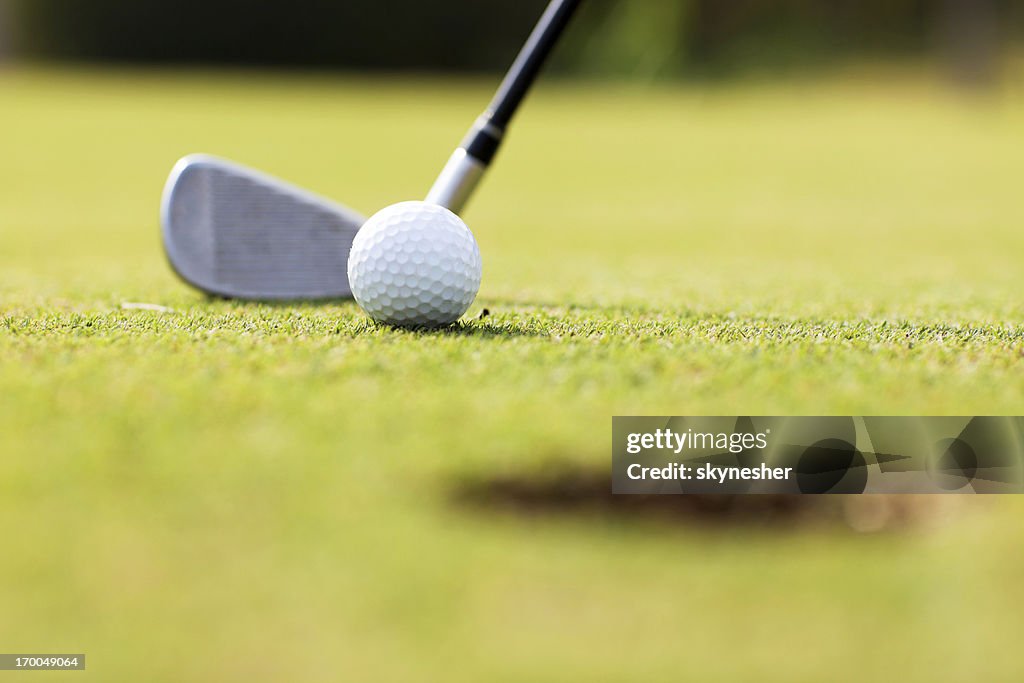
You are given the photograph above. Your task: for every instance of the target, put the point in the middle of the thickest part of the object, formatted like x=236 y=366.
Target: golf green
x=213 y=490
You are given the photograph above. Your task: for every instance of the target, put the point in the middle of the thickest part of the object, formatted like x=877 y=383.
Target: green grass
x=237 y=492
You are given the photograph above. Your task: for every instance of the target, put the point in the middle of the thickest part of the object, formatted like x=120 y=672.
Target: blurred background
x=645 y=39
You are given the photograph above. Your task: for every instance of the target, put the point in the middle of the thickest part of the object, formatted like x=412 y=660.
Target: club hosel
x=466 y=166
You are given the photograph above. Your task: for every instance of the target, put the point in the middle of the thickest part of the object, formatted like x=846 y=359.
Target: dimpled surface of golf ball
x=414 y=265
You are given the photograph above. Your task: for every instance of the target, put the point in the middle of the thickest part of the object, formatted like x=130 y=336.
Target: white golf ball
x=414 y=265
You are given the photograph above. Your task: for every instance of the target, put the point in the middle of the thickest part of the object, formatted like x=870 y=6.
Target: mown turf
x=234 y=492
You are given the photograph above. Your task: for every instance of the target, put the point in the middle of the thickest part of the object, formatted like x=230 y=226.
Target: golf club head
x=234 y=232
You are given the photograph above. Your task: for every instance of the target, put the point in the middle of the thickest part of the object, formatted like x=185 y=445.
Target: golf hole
x=573 y=492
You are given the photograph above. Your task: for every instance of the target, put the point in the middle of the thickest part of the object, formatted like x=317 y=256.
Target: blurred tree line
x=638 y=38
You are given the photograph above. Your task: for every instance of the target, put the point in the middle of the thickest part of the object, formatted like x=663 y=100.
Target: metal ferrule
x=457 y=181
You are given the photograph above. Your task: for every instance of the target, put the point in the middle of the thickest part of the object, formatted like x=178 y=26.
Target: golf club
x=234 y=232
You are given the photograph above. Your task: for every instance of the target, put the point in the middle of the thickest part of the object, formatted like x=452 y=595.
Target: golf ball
x=414 y=265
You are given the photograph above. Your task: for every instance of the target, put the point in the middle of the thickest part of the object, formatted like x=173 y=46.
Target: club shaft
x=530 y=61
x=467 y=165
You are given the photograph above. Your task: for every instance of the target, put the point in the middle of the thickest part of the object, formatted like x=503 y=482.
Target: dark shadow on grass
x=483 y=329
x=483 y=326
x=577 y=493
x=471 y=326
x=279 y=303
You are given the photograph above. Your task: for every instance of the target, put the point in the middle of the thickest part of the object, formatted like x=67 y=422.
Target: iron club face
x=234 y=232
